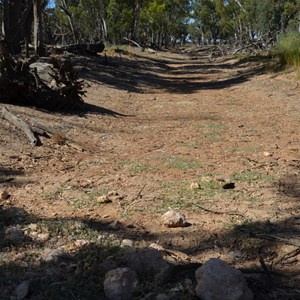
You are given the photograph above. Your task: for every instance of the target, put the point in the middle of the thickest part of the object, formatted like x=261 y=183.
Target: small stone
x=147 y=262
x=21 y=290
x=194 y=186
x=81 y=243
x=34 y=235
x=127 y=243
x=5 y=195
x=115 y=225
x=53 y=254
x=104 y=199
x=120 y=283
x=218 y=281
x=32 y=226
x=42 y=237
x=174 y=219
x=267 y=154
x=229 y=186
x=14 y=235
x=157 y=247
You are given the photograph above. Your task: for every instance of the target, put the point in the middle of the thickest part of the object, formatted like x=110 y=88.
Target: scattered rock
x=104 y=199
x=32 y=226
x=54 y=255
x=229 y=186
x=194 y=186
x=13 y=235
x=5 y=195
x=42 y=237
x=218 y=281
x=174 y=219
x=127 y=243
x=21 y=290
x=81 y=243
x=115 y=225
x=120 y=283
x=157 y=247
x=147 y=262
x=267 y=154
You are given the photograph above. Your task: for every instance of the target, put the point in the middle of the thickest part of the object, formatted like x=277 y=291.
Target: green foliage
x=173 y=22
x=289 y=49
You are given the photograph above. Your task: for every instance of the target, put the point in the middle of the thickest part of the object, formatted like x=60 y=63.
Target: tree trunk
x=136 y=14
x=104 y=29
x=11 y=28
x=37 y=28
x=64 y=7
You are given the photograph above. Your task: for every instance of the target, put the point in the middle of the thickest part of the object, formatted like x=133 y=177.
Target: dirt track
x=154 y=125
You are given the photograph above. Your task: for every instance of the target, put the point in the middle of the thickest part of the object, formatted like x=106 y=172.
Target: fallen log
x=81 y=48
x=20 y=124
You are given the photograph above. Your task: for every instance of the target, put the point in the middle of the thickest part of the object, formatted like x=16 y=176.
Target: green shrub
x=288 y=48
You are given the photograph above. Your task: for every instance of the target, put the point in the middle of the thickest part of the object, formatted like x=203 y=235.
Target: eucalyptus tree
x=22 y=22
x=16 y=14
x=165 y=22
x=207 y=20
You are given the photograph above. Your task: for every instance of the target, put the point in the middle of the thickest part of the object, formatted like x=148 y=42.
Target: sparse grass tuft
x=246 y=149
x=251 y=177
x=178 y=195
x=212 y=131
x=288 y=49
x=183 y=163
x=135 y=167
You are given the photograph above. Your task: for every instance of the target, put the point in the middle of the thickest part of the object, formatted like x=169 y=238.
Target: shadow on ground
x=152 y=74
x=90 y=248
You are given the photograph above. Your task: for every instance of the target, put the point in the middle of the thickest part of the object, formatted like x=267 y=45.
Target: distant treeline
x=159 y=23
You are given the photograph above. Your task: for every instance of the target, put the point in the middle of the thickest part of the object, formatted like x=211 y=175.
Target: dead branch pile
x=47 y=83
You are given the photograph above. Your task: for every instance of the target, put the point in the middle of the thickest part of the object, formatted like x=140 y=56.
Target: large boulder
x=120 y=283
x=218 y=281
x=147 y=262
x=44 y=70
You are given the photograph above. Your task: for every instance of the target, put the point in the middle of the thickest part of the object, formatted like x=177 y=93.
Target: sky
x=51 y=3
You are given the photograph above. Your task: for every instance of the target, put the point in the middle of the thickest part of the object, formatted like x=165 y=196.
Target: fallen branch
x=219 y=212
x=20 y=124
x=45 y=130
x=139 y=193
x=134 y=43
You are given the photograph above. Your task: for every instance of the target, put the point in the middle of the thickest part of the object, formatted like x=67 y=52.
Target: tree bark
x=37 y=28
x=11 y=25
x=136 y=14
